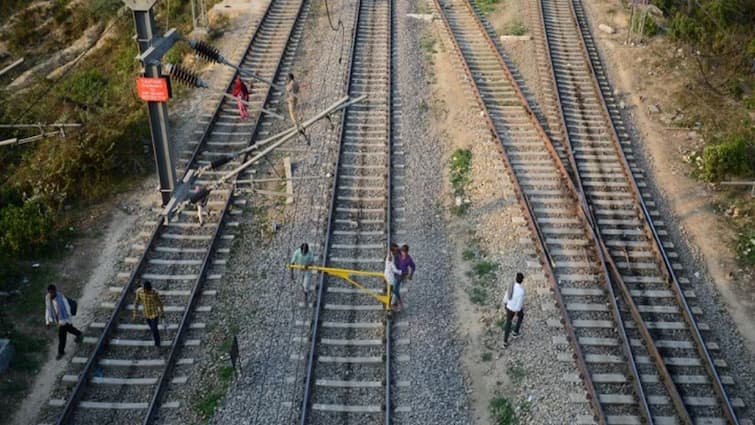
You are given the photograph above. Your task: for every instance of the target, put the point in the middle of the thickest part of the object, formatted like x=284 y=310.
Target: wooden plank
x=11 y=66
x=289 y=182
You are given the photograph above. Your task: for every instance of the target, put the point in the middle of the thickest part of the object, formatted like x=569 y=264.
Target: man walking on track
x=391 y=271
x=199 y=196
x=304 y=257
x=242 y=96
x=292 y=96
x=153 y=305
x=58 y=311
x=407 y=267
x=513 y=302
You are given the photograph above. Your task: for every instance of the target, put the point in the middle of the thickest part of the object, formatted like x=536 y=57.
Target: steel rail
x=612 y=274
x=312 y=355
x=184 y=324
x=102 y=341
x=653 y=351
x=196 y=291
x=649 y=226
x=73 y=398
x=388 y=208
x=540 y=243
x=221 y=101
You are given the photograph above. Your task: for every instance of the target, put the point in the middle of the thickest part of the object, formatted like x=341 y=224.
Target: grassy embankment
x=48 y=185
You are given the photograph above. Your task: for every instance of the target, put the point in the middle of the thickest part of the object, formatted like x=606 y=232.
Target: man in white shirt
x=513 y=303
x=58 y=312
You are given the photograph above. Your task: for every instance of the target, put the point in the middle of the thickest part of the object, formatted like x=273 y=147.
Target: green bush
x=650 y=28
x=25 y=229
x=478 y=295
x=746 y=247
x=484 y=268
x=461 y=163
x=503 y=412
x=684 y=29
x=486 y=6
x=27 y=26
x=516 y=27
x=88 y=87
x=735 y=157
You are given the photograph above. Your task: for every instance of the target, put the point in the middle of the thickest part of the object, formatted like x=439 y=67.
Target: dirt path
x=645 y=80
x=98 y=255
x=95 y=258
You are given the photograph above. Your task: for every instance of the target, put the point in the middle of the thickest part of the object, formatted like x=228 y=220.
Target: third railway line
x=636 y=342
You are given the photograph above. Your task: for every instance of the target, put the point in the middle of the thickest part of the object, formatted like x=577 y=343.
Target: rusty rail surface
x=539 y=239
x=651 y=233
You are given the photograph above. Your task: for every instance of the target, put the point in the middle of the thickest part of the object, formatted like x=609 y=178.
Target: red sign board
x=152 y=89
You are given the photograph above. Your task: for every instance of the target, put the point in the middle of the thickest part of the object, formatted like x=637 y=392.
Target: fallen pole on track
x=281 y=138
x=182 y=193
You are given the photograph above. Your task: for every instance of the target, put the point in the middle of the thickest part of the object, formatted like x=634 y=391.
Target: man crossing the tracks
x=304 y=257
x=513 y=304
x=292 y=97
x=407 y=267
x=242 y=96
x=392 y=271
x=153 y=307
x=198 y=196
x=58 y=312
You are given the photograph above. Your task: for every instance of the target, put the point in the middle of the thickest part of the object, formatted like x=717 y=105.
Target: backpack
x=74 y=305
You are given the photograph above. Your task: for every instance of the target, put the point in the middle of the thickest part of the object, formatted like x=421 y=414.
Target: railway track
x=125 y=379
x=348 y=363
x=601 y=153
x=625 y=324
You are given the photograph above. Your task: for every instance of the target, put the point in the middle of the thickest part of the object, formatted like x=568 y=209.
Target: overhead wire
x=293 y=302
x=325 y=154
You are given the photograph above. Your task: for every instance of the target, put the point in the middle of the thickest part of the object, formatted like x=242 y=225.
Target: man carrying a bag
x=58 y=311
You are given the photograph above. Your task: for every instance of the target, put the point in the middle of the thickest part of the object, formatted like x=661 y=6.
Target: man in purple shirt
x=407 y=267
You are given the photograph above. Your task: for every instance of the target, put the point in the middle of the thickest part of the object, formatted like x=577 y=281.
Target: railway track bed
x=126 y=379
x=649 y=312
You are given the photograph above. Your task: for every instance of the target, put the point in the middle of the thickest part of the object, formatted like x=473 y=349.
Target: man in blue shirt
x=304 y=257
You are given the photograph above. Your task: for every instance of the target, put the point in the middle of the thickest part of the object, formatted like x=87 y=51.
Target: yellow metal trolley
x=348 y=275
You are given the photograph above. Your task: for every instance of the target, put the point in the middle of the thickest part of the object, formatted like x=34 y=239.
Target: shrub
x=88 y=87
x=735 y=157
x=746 y=247
x=650 y=27
x=461 y=163
x=484 y=268
x=25 y=229
x=478 y=295
x=516 y=27
x=684 y=29
x=103 y=9
x=503 y=412
x=486 y=6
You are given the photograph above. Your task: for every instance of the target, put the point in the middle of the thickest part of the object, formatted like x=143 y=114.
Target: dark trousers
x=397 y=287
x=510 y=318
x=63 y=331
x=152 y=323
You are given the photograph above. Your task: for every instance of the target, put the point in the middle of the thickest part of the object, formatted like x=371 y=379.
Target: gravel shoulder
x=492 y=235
x=645 y=76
